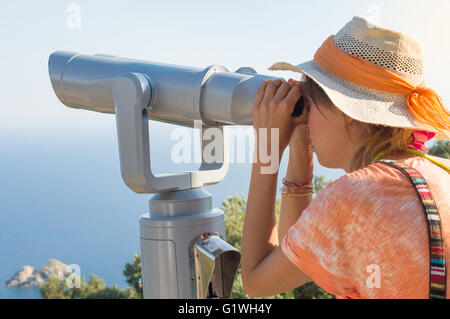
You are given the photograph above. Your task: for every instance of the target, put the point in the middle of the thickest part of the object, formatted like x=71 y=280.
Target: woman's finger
x=292 y=97
x=281 y=93
x=260 y=94
x=270 y=91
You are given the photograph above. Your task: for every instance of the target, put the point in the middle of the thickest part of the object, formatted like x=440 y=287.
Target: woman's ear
x=355 y=128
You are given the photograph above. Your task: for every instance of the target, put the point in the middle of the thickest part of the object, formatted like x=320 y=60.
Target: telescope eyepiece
x=299 y=106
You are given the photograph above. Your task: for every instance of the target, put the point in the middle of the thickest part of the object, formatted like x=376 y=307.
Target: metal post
x=182 y=242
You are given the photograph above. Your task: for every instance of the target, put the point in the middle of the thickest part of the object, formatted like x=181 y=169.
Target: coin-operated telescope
x=183 y=248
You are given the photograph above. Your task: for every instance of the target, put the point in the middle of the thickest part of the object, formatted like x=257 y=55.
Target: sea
x=62 y=196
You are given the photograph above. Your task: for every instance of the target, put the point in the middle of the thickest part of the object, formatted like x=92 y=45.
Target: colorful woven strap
x=438 y=277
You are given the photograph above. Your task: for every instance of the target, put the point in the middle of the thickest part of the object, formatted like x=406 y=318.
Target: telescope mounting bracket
x=132 y=95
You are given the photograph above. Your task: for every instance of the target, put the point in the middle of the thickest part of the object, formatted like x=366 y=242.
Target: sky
x=192 y=33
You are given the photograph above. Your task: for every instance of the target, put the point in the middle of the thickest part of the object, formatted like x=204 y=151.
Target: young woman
x=382 y=229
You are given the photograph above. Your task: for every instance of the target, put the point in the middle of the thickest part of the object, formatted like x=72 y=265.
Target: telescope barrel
x=179 y=94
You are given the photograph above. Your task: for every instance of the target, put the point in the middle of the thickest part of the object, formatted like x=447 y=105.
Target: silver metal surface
x=216 y=263
x=131 y=93
x=168 y=237
x=180 y=94
x=159 y=269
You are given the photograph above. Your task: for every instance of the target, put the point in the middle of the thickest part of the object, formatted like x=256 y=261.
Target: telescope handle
x=132 y=93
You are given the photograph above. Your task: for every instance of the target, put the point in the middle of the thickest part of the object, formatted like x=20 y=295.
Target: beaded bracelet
x=292 y=189
x=284 y=195
x=305 y=185
x=285 y=192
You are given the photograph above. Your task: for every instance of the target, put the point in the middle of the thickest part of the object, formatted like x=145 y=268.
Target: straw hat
x=389 y=49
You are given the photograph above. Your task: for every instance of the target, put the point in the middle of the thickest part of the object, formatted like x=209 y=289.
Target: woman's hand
x=265 y=269
x=273 y=107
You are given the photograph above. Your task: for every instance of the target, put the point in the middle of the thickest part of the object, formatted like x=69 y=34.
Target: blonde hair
x=378 y=138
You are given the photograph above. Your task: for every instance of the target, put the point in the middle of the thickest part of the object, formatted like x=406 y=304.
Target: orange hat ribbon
x=425 y=105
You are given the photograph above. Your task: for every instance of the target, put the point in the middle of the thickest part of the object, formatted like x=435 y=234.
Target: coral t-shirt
x=365 y=235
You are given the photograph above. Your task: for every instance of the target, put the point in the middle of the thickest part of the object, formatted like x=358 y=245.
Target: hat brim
x=369 y=106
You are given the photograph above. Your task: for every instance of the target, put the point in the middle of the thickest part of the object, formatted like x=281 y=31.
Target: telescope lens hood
x=57 y=63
